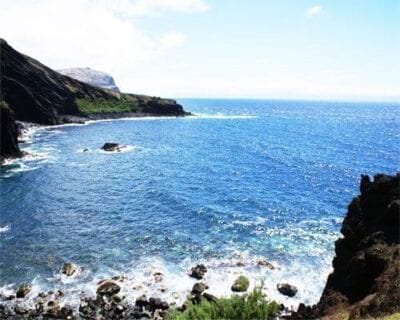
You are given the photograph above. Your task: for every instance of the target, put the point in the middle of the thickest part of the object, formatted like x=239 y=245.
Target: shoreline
x=159 y=285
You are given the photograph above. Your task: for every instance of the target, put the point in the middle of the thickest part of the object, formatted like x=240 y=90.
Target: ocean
x=242 y=181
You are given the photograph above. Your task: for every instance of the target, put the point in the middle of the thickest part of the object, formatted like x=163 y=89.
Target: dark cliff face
x=9 y=134
x=366 y=277
x=39 y=94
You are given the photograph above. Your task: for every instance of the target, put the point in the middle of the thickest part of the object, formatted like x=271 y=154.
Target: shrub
x=250 y=307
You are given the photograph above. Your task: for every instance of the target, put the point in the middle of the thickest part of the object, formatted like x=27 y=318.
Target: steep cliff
x=39 y=94
x=8 y=134
x=366 y=278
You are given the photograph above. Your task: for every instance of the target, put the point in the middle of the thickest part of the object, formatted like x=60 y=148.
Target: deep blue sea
x=243 y=180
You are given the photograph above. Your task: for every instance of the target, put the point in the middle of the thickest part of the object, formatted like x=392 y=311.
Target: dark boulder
x=199 y=287
x=198 y=271
x=287 y=289
x=111 y=147
x=241 y=284
x=158 y=304
x=23 y=290
x=108 y=288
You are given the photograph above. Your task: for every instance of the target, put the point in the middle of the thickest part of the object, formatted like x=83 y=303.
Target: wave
x=220 y=116
x=5 y=228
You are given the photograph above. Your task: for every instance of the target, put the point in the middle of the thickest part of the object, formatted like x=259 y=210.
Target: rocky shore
x=110 y=301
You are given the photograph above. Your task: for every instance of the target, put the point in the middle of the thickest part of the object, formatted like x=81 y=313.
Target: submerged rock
x=241 y=284
x=23 y=290
x=108 y=288
x=198 y=271
x=111 y=147
x=68 y=269
x=287 y=289
x=264 y=263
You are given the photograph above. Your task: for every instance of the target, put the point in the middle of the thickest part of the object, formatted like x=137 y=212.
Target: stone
x=241 y=284
x=111 y=147
x=287 y=289
x=23 y=290
x=157 y=303
x=68 y=269
x=209 y=297
x=108 y=288
x=264 y=263
x=142 y=302
x=198 y=288
x=198 y=271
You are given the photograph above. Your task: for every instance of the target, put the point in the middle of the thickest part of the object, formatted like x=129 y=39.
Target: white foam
x=220 y=116
x=154 y=277
x=5 y=228
x=124 y=149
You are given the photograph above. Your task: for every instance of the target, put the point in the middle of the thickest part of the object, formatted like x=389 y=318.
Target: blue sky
x=337 y=49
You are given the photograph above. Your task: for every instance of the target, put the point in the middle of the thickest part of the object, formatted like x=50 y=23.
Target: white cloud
x=172 y=39
x=313 y=11
x=150 y=7
x=92 y=33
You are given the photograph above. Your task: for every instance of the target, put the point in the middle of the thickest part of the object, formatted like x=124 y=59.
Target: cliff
x=9 y=134
x=93 y=77
x=36 y=93
x=365 y=282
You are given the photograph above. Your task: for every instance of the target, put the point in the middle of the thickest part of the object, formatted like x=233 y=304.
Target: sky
x=286 y=49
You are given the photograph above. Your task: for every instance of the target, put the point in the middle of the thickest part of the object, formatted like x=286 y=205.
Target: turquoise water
x=242 y=181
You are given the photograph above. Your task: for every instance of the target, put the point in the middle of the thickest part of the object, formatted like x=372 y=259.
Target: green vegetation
x=249 y=307
x=125 y=103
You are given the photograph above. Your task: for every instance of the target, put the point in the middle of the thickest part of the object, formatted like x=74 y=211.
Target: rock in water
x=23 y=290
x=241 y=284
x=264 y=263
x=93 y=77
x=68 y=269
x=198 y=271
x=287 y=289
x=110 y=147
x=108 y=288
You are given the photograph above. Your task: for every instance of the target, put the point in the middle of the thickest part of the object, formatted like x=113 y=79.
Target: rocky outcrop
x=366 y=277
x=9 y=134
x=113 y=147
x=93 y=77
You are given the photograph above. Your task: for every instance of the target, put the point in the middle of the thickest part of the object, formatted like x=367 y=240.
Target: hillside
x=36 y=93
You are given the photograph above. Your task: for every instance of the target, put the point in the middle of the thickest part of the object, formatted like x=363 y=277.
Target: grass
x=125 y=103
x=250 y=307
